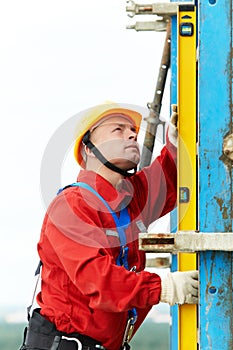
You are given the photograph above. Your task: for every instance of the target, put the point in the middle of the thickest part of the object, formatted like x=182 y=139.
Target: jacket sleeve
x=156 y=185
x=73 y=241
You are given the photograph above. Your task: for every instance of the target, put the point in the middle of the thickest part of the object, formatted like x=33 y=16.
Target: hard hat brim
x=90 y=120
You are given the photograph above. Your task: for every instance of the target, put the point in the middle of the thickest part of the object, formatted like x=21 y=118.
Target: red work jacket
x=83 y=290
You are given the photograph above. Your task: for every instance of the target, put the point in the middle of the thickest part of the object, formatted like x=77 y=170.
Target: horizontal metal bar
x=186 y=241
x=159 y=9
x=157 y=26
x=159 y=262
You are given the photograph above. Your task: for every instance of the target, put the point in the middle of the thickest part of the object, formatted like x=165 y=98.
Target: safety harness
x=121 y=222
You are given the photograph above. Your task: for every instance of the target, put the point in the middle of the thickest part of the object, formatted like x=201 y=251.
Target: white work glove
x=180 y=288
x=172 y=127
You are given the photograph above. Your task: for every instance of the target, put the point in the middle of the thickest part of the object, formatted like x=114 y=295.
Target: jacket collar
x=113 y=196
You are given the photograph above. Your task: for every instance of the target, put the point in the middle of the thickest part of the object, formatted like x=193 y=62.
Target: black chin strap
x=103 y=160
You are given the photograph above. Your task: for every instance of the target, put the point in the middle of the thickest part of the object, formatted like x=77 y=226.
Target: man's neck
x=111 y=176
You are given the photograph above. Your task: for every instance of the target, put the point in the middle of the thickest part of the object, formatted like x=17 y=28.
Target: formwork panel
x=215 y=178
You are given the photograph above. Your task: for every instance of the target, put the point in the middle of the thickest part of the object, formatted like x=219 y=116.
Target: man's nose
x=131 y=134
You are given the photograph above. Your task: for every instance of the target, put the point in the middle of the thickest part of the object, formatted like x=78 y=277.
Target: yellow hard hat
x=94 y=115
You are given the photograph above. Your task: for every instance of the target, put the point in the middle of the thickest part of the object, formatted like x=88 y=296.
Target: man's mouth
x=132 y=145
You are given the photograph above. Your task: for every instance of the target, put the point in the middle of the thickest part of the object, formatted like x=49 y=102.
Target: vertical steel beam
x=215 y=177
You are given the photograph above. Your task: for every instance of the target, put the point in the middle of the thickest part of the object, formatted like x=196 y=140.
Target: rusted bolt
x=228 y=146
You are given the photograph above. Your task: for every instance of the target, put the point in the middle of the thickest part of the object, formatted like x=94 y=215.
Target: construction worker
x=95 y=293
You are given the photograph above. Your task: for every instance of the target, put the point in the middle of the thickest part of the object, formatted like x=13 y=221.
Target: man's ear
x=88 y=152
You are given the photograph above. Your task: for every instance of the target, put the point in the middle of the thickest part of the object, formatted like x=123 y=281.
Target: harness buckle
x=123 y=251
x=128 y=331
x=77 y=341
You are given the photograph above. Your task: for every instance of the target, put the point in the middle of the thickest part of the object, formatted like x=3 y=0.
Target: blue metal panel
x=215 y=180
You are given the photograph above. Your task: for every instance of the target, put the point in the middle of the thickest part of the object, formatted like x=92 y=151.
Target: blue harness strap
x=121 y=222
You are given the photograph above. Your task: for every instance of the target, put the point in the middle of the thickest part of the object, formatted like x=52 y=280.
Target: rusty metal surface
x=160 y=262
x=159 y=8
x=188 y=242
x=215 y=175
x=153 y=120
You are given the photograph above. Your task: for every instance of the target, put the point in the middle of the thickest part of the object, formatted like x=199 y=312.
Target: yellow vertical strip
x=187 y=328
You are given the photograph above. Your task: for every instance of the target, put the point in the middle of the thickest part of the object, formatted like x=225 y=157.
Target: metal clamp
x=157 y=26
x=187 y=242
x=163 y=10
x=159 y=9
x=228 y=146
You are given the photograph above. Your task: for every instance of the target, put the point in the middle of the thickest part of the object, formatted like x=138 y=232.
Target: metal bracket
x=186 y=242
x=163 y=10
x=159 y=262
x=159 y=9
x=158 y=26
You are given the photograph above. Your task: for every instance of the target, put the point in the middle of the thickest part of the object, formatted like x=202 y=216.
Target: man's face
x=116 y=139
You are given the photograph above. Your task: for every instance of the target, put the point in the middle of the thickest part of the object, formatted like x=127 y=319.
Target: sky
x=58 y=57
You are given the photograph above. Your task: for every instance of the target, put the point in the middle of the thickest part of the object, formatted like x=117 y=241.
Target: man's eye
x=117 y=129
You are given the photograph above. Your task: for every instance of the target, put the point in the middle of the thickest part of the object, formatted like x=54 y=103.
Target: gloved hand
x=172 y=127
x=180 y=288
